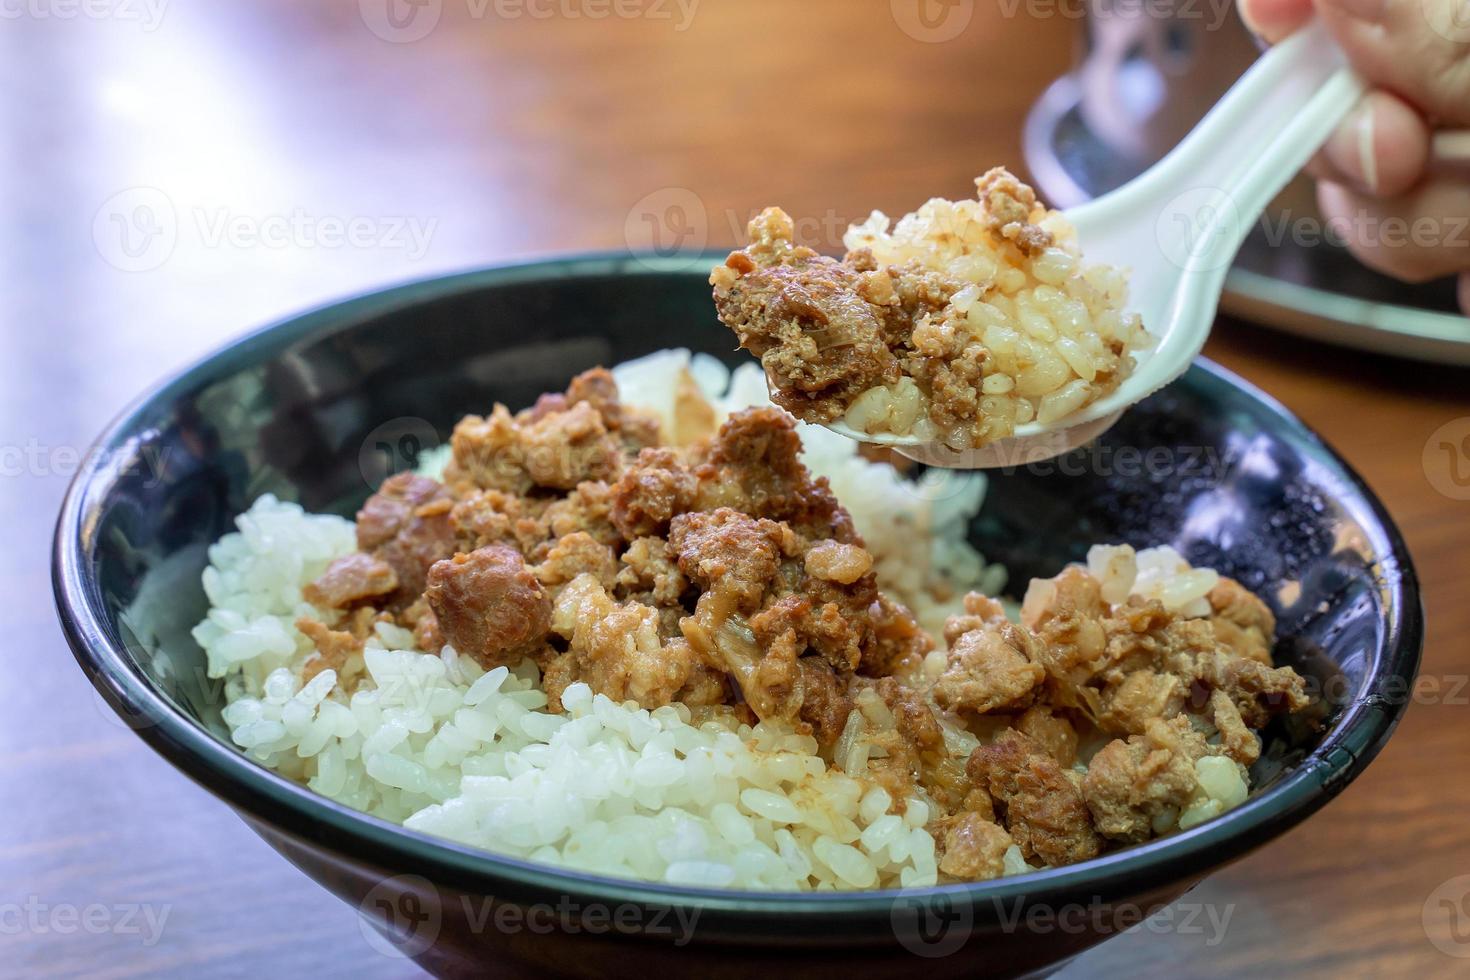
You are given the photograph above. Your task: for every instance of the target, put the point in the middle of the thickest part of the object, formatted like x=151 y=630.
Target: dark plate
x=1210 y=465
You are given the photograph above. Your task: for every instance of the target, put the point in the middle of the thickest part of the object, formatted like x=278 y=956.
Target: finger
x=1449 y=152
x=1321 y=168
x=1421 y=235
x=1414 y=48
x=1273 y=20
x=1382 y=148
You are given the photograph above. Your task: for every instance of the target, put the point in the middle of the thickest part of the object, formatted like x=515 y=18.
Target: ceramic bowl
x=313 y=408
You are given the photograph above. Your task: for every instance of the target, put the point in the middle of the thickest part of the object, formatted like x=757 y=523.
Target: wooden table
x=254 y=129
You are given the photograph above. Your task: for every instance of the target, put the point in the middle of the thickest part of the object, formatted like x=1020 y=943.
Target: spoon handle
x=1214 y=185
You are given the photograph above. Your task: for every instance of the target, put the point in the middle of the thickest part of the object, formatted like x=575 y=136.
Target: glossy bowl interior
x=1209 y=465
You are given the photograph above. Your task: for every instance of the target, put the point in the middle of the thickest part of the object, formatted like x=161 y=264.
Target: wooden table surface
x=179 y=172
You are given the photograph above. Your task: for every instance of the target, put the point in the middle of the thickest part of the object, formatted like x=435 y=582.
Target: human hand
x=1376 y=180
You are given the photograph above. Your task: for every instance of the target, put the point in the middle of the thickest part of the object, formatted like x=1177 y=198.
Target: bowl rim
x=1360 y=731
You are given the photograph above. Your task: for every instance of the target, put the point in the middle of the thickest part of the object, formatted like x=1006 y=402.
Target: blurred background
x=178 y=172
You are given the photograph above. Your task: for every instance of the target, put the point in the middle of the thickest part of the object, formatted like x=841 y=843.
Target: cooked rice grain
x=1054 y=333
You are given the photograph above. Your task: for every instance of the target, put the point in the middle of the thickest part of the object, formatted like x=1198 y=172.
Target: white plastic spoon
x=1177 y=227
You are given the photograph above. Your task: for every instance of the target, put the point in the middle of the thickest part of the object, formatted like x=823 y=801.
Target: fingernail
x=1366 y=157
x=1350 y=149
x=1371 y=11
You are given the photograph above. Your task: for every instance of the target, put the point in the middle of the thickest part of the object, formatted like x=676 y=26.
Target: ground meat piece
x=802 y=314
x=489 y=605
x=564 y=440
x=563 y=449
x=650 y=492
x=947 y=354
x=824 y=701
x=391 y=509
x=773 y=689
x=1051 y=732
x=1009 y=205
x=650 y=568
x=577 y=554
x=1168 y=664
x=597 y=388
x=731 y=551
x=915 y=721
x=949 y=789
x=587 y=508
x=488 y=453
x=705 y=687
x=351 y=579
x=837 y=562
x=484 y=517
x=1258 y=692
x=990 y=669
x=838 y=626
x=898 y=643
x=1140 y=695
x=1070 y=627
x=1124 y=665
x=639 y=429
x=979 y=611
x=754 y=465
x=1043 y=809
x=920 y=296
x=334 y=647
x=547 y=403
x=615 y=648
x=420 y=618
x=1236 y=740
x=1242 y=621
x=826 y=628
x=1136 y=788
x=407 y=525
x=908 y=751
x=974 y=847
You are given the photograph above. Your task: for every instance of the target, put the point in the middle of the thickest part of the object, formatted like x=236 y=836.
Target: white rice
x=1154 y=573
x=1048 y=323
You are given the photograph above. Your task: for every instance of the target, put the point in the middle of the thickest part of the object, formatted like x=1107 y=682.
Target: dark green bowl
x=1209 y=465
